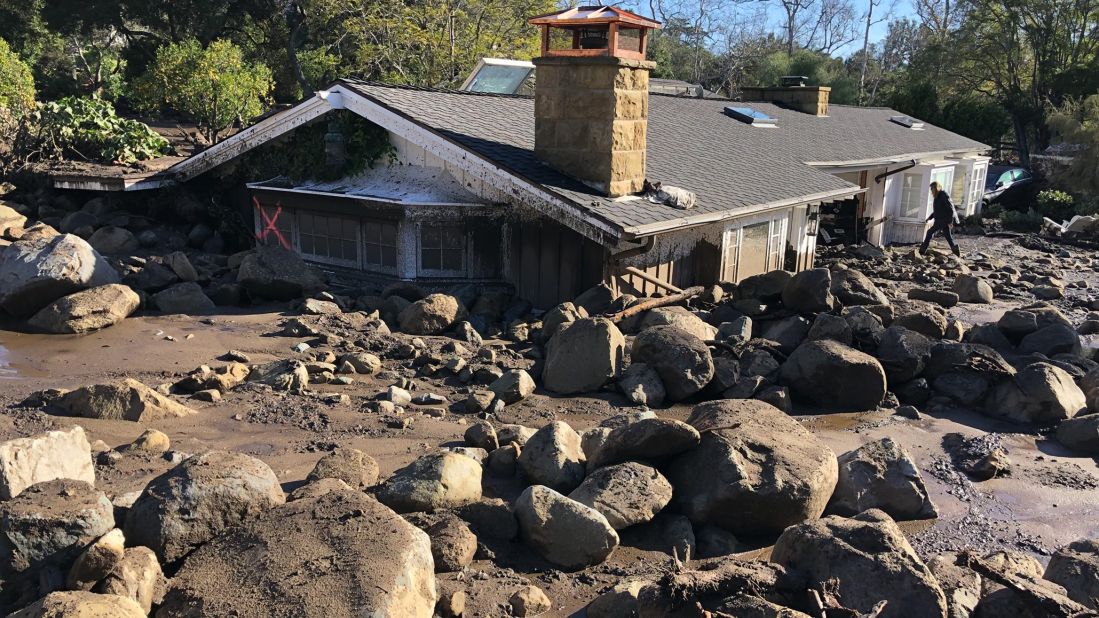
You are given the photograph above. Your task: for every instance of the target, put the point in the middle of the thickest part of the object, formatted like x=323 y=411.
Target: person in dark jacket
x=944 y=215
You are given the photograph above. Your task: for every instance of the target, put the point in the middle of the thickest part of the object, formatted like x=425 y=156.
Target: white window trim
x=431 y=272
x=732 y=239
x=377 y=268
x=324 y=259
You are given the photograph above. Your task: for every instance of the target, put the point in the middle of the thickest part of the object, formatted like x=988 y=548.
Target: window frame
x=463 y=250
x=920 y=199
x=778 y=232
x=364 y=242
x=351 y=223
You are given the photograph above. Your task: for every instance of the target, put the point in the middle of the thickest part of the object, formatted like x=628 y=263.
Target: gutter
x=882 y=176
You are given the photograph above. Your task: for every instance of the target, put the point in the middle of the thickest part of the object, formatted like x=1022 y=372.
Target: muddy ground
x=1050 y=498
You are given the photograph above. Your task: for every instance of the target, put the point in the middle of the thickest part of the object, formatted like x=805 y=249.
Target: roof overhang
x=899 y=159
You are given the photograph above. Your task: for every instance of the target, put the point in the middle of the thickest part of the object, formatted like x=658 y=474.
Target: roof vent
x=754 y=117
x=907 y=122
x=791 y=81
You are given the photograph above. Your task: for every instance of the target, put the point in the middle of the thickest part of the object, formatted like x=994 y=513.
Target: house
x=544 y=192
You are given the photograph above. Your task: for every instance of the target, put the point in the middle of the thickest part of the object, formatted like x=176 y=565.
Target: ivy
x=87 y=128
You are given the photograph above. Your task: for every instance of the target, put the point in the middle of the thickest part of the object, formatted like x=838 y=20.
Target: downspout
x=882 y=176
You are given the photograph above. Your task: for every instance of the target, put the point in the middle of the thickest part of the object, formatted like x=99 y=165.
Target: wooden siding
x=550 y=264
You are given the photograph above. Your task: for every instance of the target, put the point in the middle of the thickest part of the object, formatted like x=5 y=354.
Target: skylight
x=907 y=122
x=754 y=117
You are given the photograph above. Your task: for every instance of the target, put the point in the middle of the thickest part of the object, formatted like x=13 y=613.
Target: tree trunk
x=295 y=22
x=1022 y=142
x=865 y=53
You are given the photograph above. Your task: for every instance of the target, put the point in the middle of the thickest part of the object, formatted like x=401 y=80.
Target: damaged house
x=546 y=192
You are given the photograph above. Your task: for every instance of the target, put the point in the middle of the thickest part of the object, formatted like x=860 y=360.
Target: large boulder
x=626 y=494
x=44 y=457
x=831 y=374
x=1076 y=568
x=341 y=554
x=682 y=360
x=764 y=471
x=36 y=272
x=851 y=287
x=788 y=333
x=864 y=560
x=198 y=500
x=284 y=374
x=649 y=439
x=187 y=298
x=87 y=310
x=278 y=274
x=809 y=292
x=1080 y=434
x=434 y=481
x=766 y=287
x=127 y=400
x=972 y=289
x=80 y=604
x=641 y=384
x=680 y=317
x=513 y=386
x=553 y=457
x=138 y=577
x=434 y=314
x=1040 y=393
x=881 y=475
x=1052 y=340
x=560 y=315
x=583 y=356
x=110 y=240
x=565 y=532
x=349 y=465
x=903 y=353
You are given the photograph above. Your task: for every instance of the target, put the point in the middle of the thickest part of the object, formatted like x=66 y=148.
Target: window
x=327 y=238
x=274 y=225
x=442 y=249
x=957 y=189
x=945 y=178
x=751 y=116
x=380 y=245
x=912 y=206
x=755 y=248
x=976 y=189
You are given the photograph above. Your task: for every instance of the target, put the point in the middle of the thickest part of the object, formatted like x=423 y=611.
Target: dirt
x=1049 y=499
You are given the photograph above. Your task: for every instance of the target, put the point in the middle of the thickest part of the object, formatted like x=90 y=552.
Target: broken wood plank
x=687 y=294
x=1047 y=601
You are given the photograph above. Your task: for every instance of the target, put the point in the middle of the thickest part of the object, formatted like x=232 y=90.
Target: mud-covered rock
x=648 y=439
x=831 y=374
x=682 y=361
x=554 y=457
x=350 y=465
x=583 y=356
x=434 y=481
x=881 y=475
x=565 y=532
x=127 y=400
x=138 y=576
x=626 y=494
x=63 y=454
x=1040 y=393
x=434 y=314
x=36 y=272
x=1075 y=567
x=79 y=604
x=87 y=310
x=278 y=274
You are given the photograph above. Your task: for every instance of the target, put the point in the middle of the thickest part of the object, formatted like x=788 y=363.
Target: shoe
x=957 y=251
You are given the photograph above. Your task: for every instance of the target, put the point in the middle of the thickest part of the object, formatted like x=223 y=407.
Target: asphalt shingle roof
x=692 y=144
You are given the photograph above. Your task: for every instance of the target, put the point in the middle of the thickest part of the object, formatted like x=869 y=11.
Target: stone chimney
x=591 y=96
x=793 y=93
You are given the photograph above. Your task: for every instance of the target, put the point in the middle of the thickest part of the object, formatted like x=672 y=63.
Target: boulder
x=583 y=356
x=554 y=457
x=1017 y=323
x=903 y=353
x=1040 y=393
x=866 y=328
x=562 y=314
x=36 y=272
x=809 y=292
x=127 y=400
x=563 y=531
x=513 y=386
x=187 y=298
x=682 y=360
x=178 y=263
x=79 y=604
x=831 y=374
x=285 y=375
x=1076 y=568
x=597 y=299
x=342 y=554
x=198 y=500
x=864 y=560
x=482 y=435
x=941 y=298
x=851 y=287
x=87 y=310
x=63 y=454
x=1081 y=434
x=649 y=439
x=138 y=576
x=972 y=289
x=681 y=318
x=766 y=287
x=618 y=602
x=434 y=314
x=110 y=240
x=929 y=323
x=349 y=465
x=828 y=326
x=278 y=274
x=736 y=330
x=788 y=333
x=881 y=475
x=626 y=494
x=641 y=384
x=529 y=601
x=1052 y=340
x=97 y=561
x=453 y=545
x=764 y=470
x=362 y=362
x=434 y=481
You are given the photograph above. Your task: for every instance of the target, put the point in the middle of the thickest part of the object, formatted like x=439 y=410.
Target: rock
x=554 y=319
x=342 y=554
x=490 y=518
x=317 y=488
x=854 y=552
x=764 y=470
x=529 y=601
x=626 y=494
x=452 y=602
x=903 y=353
x=138 y=577
x=127 y=400
x=187 y=298
x=1080 y=434
x=48 y=525
x=809 y=292
x=432 y=315
x=278 y=274
x=1041 y=394
x=87 y=310
x=363 y=362
x=151 y=441
x=110 y=240
x=991 y=336
x=597 y=299
x=350 y=465
x=565 y=532
x=941 y=298
x=583 y=356
x=972 y=289
x=618 y=602
x=831 y=374
x=736 y=330
x=313 y=306
x=866 y=328
x=97 y=561
x=1076 y=568
x=592 y=439
x=681 y=318
x=683 y=362
x=714 y=541
x=198 y=499
x=766 y=287
x=851 y=287
x=508 y=433
x=961 y=585
x=650 y=439
x=1051 y=340
x=828 y=326
x=44 y=457
x=34 y=273
x=930 y=324
x=641 y=384
x=1017 y=323
x=80 y=604
x=284 y=375
x=553 y=457
x=881 y=475
x=452 y=544
x=179 y=264
x=513 y=386
x=788 y=332
x=434 y=481
x=482 y=435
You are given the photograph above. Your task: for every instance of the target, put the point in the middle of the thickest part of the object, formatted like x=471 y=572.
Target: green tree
x=16 y=82
x=212 y=85
x=1076 y=125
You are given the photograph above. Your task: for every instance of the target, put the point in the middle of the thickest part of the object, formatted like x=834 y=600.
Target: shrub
x=16 y=82
x=87 y=128
x=1057 y=205
x=1029 y=221
x=992 y=211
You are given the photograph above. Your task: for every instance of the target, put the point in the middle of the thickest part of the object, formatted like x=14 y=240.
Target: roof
x=598 y=14
x=692 y=144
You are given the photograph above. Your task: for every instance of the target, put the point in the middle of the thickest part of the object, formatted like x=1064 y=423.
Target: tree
x=1076 y=125
x=16 y=82
x=212 y=85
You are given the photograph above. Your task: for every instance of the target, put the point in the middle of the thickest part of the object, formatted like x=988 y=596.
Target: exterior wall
x=548 y=263
x=685 y=258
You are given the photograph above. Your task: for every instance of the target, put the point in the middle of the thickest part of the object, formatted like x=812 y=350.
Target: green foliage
x=1057 y=205
x=820 y=69
x=16 y=82
x=87 y=128
x=1076 y=125
x=212 y=85
x=1029 y=221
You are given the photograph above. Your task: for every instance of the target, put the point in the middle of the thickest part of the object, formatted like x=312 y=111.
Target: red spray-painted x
x=270 y=224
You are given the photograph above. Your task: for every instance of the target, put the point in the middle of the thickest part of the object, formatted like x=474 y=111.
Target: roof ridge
x=361 y=82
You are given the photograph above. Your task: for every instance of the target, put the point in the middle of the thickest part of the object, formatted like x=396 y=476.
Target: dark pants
x=943 y=227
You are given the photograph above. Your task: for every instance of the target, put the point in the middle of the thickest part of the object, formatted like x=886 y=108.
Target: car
x=1009 y=186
